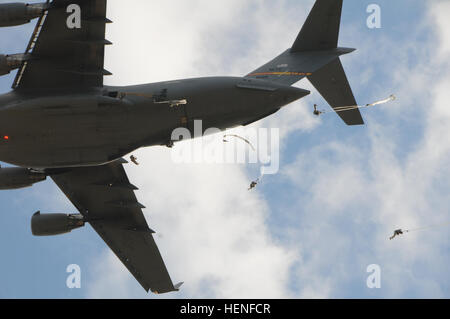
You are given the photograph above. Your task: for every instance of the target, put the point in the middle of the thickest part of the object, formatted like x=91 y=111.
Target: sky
x=312 y=229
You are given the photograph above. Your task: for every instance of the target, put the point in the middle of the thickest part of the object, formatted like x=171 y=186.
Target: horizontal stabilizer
x=333 y=85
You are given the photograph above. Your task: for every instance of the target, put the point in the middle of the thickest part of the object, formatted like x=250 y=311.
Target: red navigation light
x=6 y=137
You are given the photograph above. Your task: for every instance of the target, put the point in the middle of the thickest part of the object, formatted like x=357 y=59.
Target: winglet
x=122 y=161
x=178 y=286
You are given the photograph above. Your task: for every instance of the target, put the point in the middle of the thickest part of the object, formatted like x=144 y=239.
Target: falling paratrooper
x=253 y=184
x=400 y=232
x=397 y=232
x=134 y=160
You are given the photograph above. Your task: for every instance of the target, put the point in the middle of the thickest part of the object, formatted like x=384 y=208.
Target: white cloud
x=438 y=13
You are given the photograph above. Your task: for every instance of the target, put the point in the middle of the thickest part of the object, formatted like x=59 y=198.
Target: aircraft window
x=113 y=94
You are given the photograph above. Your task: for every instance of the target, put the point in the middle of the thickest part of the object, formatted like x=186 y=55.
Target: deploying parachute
x=225 y=140
x=353 y=107
x=389 y=99
x=239 y=137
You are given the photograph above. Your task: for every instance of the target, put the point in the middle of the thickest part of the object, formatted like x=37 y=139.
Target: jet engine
x=55 y=224
x=17 y=177
x=12 y=14
x=11 y=62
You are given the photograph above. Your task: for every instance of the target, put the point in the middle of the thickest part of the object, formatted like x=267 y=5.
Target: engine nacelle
x=12 y=14
x=11 y=62
x=55 y=224
x=17 y=177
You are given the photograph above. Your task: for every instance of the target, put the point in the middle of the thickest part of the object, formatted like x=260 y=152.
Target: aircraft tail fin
x=315 y=55
x=321 y=29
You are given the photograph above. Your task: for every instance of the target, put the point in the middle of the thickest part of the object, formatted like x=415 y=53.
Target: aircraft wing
x=105 y=197
x=63 y=55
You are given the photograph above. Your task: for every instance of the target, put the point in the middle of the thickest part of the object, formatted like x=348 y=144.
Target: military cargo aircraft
x=60 y=120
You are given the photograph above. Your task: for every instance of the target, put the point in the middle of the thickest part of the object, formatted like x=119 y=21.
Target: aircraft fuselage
x=54 y=129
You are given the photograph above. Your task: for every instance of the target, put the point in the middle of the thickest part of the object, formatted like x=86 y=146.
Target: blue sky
x=312 y=229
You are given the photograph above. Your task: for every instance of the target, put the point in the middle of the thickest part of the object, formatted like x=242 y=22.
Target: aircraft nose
x=290 y=94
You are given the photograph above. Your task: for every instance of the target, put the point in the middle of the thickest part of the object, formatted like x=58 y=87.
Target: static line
x=400 y=232
x=340 y=109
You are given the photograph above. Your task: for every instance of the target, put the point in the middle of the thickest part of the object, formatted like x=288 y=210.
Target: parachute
x=239 y=137
x=353 y=107
x=257 y=181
